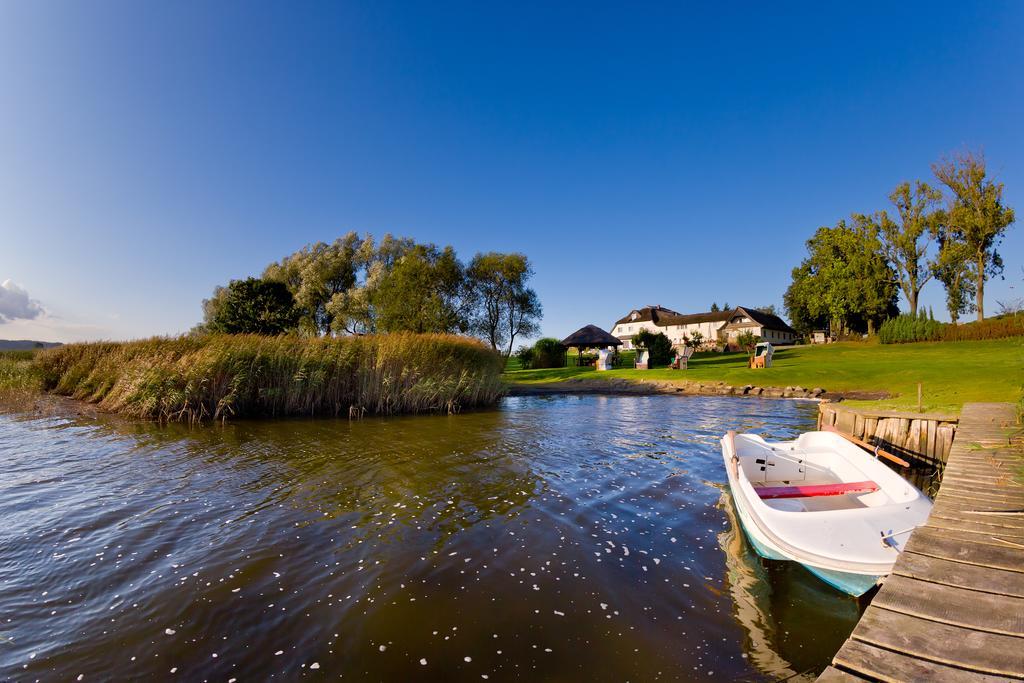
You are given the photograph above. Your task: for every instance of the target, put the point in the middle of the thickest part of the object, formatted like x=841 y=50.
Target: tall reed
x=194 y=378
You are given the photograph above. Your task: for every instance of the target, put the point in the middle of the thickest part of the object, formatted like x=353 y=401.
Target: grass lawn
x=952 y=373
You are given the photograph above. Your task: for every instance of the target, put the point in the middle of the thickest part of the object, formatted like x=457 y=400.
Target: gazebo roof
x=591 y=335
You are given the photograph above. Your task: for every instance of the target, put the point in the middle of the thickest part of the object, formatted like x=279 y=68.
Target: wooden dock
x=953 y=608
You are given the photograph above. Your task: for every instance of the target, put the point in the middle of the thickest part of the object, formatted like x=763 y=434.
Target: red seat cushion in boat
x=814 y=490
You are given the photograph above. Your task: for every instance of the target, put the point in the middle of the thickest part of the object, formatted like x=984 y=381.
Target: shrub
x=548 y=353
x=255 y=306
x=525 y=357
x=193 y=378
x=657 y=344
x=748 y=341
x=1000 y=327
x=910 y=328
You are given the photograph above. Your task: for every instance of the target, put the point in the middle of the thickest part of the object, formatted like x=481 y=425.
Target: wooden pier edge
x=953 y=608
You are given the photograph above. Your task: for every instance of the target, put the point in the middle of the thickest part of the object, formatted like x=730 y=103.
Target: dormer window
x=634 y=315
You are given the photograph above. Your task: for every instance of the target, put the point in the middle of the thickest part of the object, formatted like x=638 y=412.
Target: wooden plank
x=1005 y=467
x=980 y=469
x=970 y=576
x=992 y=653
x=966 y=498
x=886 y=665
x=1010 y=496
x=977 y=531
x=992 y=524
x=907 y=414
x=1002 y=479
x=834 y=675
x=952 y=605
x=968 y=548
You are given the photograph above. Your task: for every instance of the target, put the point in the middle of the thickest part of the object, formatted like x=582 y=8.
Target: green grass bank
x=951 y=373
x=194 y=378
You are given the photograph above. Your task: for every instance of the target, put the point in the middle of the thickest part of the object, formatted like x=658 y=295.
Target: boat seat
x=815 y=490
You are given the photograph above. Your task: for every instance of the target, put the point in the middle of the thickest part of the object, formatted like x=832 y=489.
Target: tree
x=714 y=307
x=769 y=309
x=352 y=310
x=657 y=345
x=548 y=353
x=905 y=242
x=314 y=275
x=695 y=341
x=954 y=268
x=748 y=341
x=844 y=281
x=253 y=306
x=502 y=305
x=976 y=217
x=422 y=293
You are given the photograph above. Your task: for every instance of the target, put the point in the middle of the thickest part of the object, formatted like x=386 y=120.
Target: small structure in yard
x=643 y=360
x=591 y=337
x=820 y=337
x=762 y=357
x=682 y=358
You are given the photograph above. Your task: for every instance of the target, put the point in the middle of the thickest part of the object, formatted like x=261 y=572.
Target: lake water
x=551 y=539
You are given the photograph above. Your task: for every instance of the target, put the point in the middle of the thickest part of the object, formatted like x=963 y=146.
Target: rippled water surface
x=553 y=539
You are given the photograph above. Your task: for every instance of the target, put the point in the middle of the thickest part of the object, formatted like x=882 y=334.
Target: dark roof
x=647 y=314
x=591 y=335
x=763 y=319
x=662 y=317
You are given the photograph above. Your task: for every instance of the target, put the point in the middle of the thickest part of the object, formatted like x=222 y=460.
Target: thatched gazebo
x=590 y=337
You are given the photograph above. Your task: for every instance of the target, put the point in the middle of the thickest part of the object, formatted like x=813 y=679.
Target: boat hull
x=850 y=583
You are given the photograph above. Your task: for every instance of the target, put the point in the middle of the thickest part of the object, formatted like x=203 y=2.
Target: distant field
x=952 y=373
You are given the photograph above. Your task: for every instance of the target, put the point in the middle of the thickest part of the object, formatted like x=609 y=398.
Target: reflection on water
x=790 y=616
x=557 y=538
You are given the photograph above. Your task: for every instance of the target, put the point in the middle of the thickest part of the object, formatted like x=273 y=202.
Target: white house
x=767 y=326
x=712 y=326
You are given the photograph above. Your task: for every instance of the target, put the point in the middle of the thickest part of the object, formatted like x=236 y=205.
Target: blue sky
x=676 y=154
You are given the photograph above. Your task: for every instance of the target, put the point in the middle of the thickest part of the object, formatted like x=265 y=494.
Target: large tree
x=422 y=292
x=252 y=306
x=844 y=281
x=314 y=275
x=905 y=241
x=976 y=217
x=503 y=306
x=954 y=268
x=353 y=311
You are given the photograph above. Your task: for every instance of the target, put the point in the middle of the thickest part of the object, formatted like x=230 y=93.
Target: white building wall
x=675 y=333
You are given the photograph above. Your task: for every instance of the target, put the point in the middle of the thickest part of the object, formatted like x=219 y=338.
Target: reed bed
x=195 y=378
x=17 y=372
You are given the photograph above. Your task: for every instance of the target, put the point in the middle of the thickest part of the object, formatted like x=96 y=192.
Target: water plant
x=200 y=377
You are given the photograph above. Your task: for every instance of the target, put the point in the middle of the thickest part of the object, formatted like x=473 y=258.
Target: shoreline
x=578 y=385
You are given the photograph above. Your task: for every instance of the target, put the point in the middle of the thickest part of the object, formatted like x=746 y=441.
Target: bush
x=193 y=378
x=910 y=328
x=657 y=345
x=254 y=306
x=548 y=353
x=1000 y=327
x=525 y=357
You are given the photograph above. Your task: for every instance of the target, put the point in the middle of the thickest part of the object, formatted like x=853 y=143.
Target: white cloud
x=49 y=328
x=15 y=303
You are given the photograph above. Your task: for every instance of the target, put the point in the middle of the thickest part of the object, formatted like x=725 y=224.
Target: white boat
x=823 y=502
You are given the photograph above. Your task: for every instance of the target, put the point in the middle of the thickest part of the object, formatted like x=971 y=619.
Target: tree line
x=855 y=270
x=359 y=285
